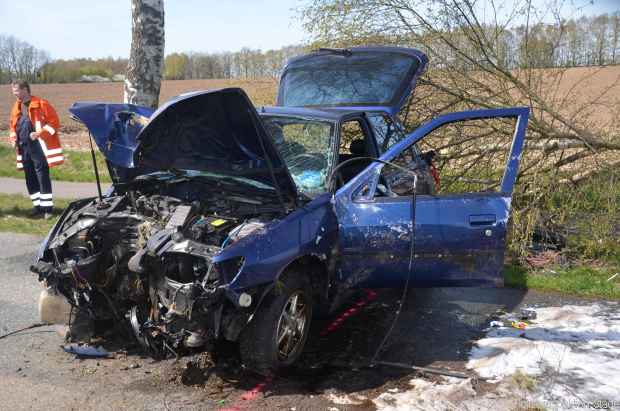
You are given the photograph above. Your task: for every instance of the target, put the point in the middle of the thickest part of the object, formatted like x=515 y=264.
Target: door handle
x=481 y=220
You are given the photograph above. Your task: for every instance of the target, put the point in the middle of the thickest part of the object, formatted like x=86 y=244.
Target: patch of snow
x=426 y=395
x=574 y=351
x=346 y=400
x=572 y=354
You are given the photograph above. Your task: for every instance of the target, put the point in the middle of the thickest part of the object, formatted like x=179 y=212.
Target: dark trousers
x=37 y=173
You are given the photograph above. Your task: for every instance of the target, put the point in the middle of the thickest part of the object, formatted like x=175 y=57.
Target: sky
x=76 y=28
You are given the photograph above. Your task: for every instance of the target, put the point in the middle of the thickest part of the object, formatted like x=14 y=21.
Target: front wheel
x=276 y=336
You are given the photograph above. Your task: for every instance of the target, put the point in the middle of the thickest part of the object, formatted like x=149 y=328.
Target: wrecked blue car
x=227 y=222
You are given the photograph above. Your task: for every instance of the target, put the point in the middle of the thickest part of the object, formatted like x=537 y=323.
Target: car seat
x=357 y=148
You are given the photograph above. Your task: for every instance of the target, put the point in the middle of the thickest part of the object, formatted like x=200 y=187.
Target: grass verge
x=583 y=281
x=77 y=166
x=14 y=210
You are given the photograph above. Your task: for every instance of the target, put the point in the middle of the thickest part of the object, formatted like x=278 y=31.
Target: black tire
x=258 y=343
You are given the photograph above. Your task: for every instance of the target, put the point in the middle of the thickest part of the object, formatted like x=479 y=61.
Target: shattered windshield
x=306 y=147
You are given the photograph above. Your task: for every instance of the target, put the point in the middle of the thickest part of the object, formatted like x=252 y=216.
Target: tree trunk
x=146 y=59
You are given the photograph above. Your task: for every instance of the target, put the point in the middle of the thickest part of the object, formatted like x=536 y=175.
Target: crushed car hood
x=217 y=131
x=360 y=76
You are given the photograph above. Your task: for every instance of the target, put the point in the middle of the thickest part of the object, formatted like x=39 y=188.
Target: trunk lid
x=362 y=76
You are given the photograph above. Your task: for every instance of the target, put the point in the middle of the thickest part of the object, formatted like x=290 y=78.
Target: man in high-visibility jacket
x=34 y=134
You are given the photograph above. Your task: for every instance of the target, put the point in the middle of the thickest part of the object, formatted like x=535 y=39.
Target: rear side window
x=351 y=131
x=387 y=133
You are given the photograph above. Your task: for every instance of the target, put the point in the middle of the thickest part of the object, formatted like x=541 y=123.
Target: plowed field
x=597 y=87
x=62 y=96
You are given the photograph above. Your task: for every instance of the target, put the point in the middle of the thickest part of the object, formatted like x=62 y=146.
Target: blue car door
x=459 y=239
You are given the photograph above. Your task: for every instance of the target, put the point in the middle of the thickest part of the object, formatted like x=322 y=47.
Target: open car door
x=459 y=238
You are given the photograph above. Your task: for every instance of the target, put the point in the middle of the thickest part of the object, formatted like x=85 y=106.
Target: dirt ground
x=62 y=96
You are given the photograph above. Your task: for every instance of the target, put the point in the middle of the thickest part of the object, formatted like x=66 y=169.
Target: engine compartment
x=143 y=257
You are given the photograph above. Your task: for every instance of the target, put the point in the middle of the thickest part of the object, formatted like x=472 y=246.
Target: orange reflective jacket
x=45 y=122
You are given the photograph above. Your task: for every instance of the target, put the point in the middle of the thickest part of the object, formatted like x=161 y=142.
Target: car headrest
x=358 y=147
x=276 y=132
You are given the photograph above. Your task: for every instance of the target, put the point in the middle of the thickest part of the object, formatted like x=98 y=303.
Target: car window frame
x=371 y=174
x=366 y=129
x=334 y=145
x=394 y=120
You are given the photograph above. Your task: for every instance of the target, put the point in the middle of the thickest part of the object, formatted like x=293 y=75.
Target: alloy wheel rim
x=291 y=326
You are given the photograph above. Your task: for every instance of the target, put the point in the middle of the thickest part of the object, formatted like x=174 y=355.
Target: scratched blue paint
x=368 y=239
x=453 y=245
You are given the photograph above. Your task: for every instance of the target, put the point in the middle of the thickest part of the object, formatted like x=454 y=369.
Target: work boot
x=47 y=213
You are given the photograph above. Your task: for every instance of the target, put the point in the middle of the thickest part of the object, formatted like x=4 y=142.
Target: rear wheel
x=276 y=336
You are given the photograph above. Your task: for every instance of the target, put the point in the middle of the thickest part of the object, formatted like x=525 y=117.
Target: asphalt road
x=34 y=372
x=61 y=189
x=435 y=328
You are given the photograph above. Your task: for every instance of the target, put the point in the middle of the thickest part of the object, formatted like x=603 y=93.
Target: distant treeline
x=73 y=70
x=577 y=42
x=587 y=41
x=246 y=63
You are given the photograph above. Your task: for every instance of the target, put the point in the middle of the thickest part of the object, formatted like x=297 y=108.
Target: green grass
x=77 y=166
x=592 y=209
x=14 y=210
x=523 y=381
x=579 y=281
x=586 y=217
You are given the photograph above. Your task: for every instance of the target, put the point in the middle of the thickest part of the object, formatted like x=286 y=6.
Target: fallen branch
x=429 y=370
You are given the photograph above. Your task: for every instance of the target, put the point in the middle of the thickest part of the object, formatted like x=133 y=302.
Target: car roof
x=327 y=113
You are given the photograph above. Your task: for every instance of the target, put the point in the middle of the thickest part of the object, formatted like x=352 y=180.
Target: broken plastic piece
x=53 y=308
x=83 y=350
x=521 y=325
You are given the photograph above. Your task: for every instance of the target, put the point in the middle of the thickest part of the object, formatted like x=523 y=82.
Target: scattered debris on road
x=528 y=314
x=521 y=325
x=85 y=350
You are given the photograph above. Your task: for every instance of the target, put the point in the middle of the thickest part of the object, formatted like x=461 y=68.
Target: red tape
x=337 y=323
x=255 y=392
x=249 y=395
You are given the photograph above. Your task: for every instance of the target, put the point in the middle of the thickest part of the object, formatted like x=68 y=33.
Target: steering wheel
x=314 y=161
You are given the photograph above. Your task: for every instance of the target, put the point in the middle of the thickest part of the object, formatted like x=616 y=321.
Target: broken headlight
x=226 y=270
